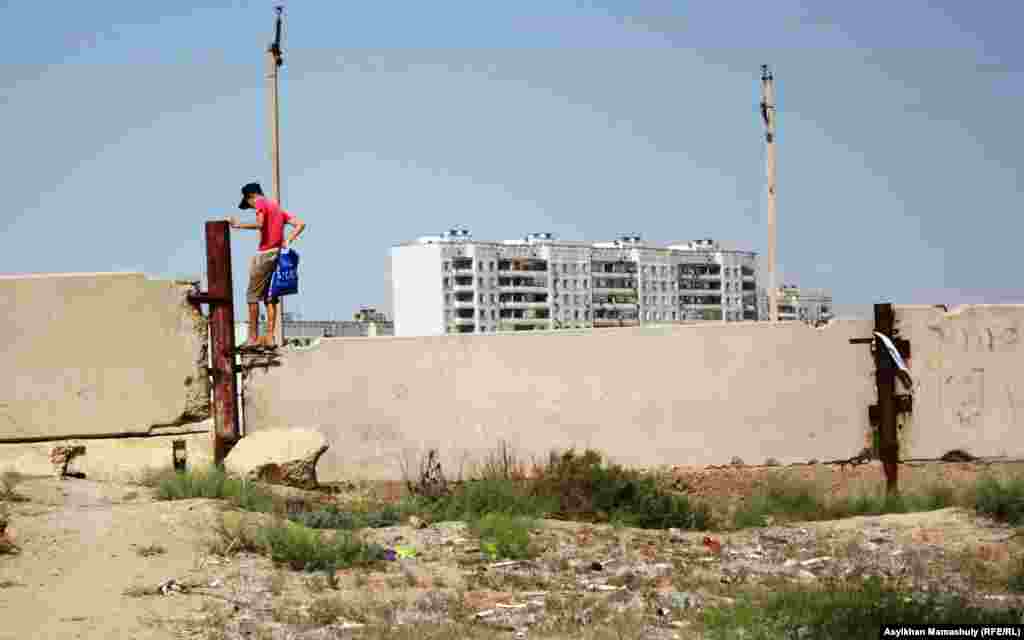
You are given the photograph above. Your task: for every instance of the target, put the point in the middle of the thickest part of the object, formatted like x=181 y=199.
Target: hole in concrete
x=179 y=455
x=957 y=455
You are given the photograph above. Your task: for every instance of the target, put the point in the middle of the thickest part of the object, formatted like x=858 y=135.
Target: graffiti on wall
x=994 y=336
x=976 y=385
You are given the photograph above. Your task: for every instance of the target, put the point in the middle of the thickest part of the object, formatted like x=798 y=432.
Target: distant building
x=812 y=306
x=322 y=329
x=369 y=314
x=453 y=284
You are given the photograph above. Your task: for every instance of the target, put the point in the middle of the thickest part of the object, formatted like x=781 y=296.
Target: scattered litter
x=712 y=544
x=510 y=563
x=170 y=586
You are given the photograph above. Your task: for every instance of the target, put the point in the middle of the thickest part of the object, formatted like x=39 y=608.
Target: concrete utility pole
x=274 y=61
x=768 y=114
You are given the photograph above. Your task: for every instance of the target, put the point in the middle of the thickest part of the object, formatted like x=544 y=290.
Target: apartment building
x=453 y=284
x=812 y=306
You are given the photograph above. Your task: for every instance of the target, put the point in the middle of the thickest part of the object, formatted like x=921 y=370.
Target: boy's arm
x=235 y=224
x=299 y=225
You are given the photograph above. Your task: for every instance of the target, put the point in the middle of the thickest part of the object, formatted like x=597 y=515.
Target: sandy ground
x=79 y=543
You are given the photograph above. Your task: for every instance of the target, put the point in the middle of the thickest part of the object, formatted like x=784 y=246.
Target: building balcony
x=523 y=305
x=462 y=287
x=511 y=324
x=615 y=291
x=701 y=307
x=524 y=288
x=612 y=322
x=698 y=292
x=615 y=305
x=512 y=273
x=462 y=322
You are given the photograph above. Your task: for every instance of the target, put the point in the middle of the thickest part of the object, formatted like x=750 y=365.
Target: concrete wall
x=694 y=394
x=91 y=354
x=968 y=371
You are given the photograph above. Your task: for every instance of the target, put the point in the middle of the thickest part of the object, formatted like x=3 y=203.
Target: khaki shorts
x=261 y=269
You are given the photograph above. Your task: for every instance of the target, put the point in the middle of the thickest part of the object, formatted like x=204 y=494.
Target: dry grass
x=151 y=550
x=8 y=481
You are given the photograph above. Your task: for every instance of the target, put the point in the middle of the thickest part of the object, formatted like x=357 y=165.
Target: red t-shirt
x=273 y=219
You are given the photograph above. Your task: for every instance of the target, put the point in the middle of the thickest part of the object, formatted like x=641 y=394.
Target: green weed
x=846 y=611
x=306 y=549
x=1001 y=499
x=503 y=536
x=213 y=483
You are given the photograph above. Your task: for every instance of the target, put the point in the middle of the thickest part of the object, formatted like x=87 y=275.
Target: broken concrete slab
x=279 y=456
x=99 y=354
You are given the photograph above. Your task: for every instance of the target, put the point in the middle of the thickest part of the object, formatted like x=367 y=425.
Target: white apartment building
x=812 y=306
x=453 y=284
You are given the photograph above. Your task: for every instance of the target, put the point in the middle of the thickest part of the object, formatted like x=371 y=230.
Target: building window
x=565 y=298
x=586 y=315
x=585 y=266
x=481 y=280
x=490 y=267
x=673 y=315
x=445 y=281
x=576 y=299
x=493 y=316
x=586 y=284
x=576 y=314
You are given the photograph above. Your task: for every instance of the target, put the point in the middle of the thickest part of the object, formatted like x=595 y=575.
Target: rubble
x=286 y=456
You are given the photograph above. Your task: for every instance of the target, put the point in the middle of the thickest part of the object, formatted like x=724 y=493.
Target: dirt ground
x=80 y=545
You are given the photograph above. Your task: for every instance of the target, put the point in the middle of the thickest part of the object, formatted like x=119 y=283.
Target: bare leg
x=254 y=324
x=271 y=323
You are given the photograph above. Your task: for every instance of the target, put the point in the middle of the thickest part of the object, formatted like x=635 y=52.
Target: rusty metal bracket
x=220 y=299
x=904 y=404
x=204 y=297
x=884 y=414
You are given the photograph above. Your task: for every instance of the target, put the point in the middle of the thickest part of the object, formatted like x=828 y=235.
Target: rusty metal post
x=885 y=382
x=220 y=297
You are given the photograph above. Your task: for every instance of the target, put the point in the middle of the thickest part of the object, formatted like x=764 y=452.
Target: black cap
x=248 y=190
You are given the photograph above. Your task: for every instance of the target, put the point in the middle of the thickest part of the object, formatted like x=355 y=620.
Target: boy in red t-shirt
x=270 y=221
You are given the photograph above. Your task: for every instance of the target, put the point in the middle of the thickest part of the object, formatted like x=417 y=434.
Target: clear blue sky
x=126 y=125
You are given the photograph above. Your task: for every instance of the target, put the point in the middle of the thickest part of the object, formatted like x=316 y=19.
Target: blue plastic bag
x=285 y=281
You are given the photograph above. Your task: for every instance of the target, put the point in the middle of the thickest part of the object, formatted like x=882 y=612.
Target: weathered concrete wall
x=91 y=354
x=697 y=394
x=968 y=371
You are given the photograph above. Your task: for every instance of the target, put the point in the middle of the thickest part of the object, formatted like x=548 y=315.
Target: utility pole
x=768 y=115
x=275 y=60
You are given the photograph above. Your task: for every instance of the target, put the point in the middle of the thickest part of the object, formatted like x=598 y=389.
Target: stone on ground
x=280 y=456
